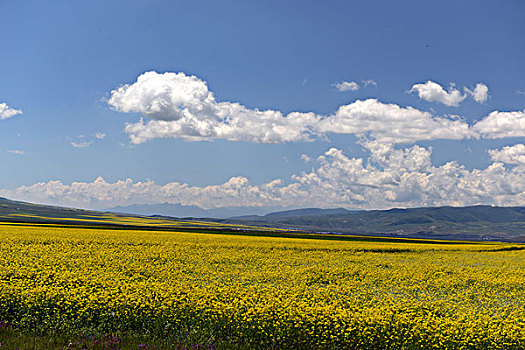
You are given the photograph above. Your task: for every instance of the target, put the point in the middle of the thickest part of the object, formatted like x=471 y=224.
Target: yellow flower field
x=262 y=292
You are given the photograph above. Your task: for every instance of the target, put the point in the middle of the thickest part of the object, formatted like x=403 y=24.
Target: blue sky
x=61 y=62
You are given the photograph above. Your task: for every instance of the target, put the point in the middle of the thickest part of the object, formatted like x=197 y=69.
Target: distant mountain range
x=463 y=223
x=183 y=211
x=469 y=223
x=474 y=222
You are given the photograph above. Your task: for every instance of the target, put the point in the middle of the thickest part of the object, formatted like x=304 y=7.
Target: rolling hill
x=28 y=213
x=459 y=223
x=474 y=222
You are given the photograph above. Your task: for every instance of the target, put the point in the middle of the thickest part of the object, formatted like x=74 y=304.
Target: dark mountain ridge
x=472 y=222
x=480 y=222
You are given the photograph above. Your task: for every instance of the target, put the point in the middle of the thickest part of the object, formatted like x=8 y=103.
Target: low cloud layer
x=175 y=105
x=388 y=177
x=8 y=112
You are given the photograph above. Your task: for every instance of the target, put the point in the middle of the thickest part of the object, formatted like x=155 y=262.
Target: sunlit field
x=230 y=291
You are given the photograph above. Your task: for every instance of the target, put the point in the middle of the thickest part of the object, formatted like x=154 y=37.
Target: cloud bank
x=8 y=112
x=175 y=105
x=388 y=177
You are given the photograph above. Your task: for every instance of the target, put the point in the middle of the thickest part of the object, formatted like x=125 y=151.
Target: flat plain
x=187 y=289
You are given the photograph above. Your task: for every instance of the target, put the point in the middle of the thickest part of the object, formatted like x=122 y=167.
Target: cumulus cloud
x=501 y=124
x=346 y=86
x=392 y=123
x=180 y=106
x=101 y=194
x=175 y=105
x=99 y=135
x=509 y=155
x=479 y=94
x=8 y=112
x=388 y=177
x=168 y=96
x=433 y=92
x=405 y=177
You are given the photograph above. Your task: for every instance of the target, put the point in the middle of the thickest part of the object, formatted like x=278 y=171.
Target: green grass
x=12 y=339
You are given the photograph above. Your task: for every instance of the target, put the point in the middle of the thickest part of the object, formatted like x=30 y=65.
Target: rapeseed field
x=262 y=292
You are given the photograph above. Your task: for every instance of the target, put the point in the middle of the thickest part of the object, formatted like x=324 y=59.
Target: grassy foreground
x=184 y=290
x=12 y=339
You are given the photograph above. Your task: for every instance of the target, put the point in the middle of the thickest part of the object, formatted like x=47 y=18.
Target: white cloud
x=501 y=124
x=389 y=177
x=101 y=194
x=509 y=155
x=181 y=106
x=480 y=93
x=519 y=92
x=168 y=96
x=392 y=123
x=99 y=135
x=234 y=122
x=367 y=82
x=433 y=92
x=347 y=86
x=16 y=151
x=404 y=177
x=174 y=105
x=8 y=112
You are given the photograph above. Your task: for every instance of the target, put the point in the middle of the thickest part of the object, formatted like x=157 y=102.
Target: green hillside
x=475 y=222
x=457 y=223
